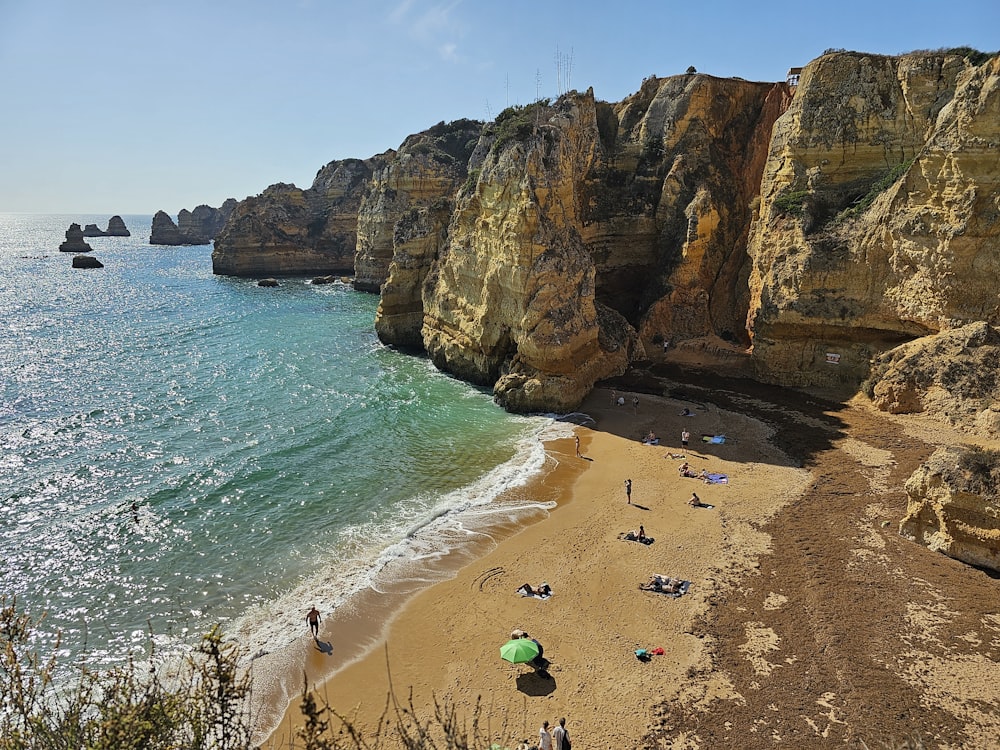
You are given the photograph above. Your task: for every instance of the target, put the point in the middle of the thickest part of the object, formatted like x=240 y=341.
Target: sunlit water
x=179 y=449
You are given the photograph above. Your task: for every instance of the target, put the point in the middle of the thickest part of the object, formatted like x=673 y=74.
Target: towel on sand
x=714 y=439
x=536 y=595
x=718 y=479
x=628 y=536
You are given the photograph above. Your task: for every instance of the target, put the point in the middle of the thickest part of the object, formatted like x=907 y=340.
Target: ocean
x=179 y=449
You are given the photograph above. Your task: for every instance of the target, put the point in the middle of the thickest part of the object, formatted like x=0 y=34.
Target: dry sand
x=809 y=622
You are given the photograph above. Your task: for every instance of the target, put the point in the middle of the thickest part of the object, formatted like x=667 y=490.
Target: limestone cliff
x=954 y=505
x=286 y=230
x=878 y=213
x=592 y=230
x=426 y=170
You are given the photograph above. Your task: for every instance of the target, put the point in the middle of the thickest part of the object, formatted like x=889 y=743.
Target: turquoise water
x=275 y=452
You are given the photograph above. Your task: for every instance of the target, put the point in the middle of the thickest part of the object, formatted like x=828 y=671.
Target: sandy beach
x=808 y=620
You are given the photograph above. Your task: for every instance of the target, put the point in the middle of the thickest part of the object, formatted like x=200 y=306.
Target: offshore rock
x=953 y=375
x=287 y=231
x=403 y=221
x=116 y=228
x=198 y=227
x=74 y=241
x=953 y=505
x=86 y=261
x=588 y=231
x=878 y=217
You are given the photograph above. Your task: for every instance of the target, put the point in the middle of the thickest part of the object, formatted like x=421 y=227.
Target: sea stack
x=117 y=228
x=74 y=241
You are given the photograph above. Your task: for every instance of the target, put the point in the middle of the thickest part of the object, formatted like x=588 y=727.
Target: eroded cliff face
x=426 y=171
x=288 y=231
x=878 y=218
x=595 y=230
x=953 y=506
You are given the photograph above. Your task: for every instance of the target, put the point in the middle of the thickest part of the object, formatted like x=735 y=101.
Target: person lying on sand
x=662 y=584
x=525 y=589
x=674 y=455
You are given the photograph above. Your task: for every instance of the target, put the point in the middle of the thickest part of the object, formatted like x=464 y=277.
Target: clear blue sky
x=134 y=106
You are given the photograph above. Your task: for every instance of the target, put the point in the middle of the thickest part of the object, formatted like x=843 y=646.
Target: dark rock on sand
x=267 y=282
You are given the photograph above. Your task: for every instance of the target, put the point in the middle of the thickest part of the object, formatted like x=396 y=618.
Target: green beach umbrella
x=519 y=650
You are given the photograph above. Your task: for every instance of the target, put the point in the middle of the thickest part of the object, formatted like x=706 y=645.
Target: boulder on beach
x=86 y=261
x=267 y=282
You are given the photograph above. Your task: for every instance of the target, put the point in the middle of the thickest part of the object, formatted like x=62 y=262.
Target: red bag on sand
x=658 y=651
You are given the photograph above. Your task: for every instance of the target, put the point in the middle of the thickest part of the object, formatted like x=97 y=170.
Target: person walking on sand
x=313 y=619
x=628 y=490
x=577 y=446
x=559 y=735
x=544 y=737
x=685 y=436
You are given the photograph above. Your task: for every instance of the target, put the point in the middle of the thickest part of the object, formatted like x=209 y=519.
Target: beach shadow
x=640 y=507
x=537 y=683
x=325 y=646
x=585 y=458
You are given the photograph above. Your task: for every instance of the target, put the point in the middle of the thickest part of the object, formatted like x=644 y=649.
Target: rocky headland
x=791 y=232
x=198 y=227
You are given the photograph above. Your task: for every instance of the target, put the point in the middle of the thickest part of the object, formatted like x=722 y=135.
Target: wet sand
x=808 y=620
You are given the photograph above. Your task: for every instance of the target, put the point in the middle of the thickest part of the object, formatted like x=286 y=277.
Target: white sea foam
x=404 y=553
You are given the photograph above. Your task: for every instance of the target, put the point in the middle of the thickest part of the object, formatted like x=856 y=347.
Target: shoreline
x=359 y=624
x=576 y=548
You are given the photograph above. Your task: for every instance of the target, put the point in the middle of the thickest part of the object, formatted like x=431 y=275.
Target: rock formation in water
x=116 y=228
x=953 y=505
x=86 y=261
x=286 y=230
x=74 y=241
x=198 y=227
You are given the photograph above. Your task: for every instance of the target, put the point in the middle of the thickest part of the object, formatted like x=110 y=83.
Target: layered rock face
x=286 y=230
x=590 y=224
x=878 y=218
x=953 y=505
x=198 y=227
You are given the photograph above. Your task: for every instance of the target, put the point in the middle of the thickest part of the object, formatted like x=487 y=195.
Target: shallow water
x=179 y=449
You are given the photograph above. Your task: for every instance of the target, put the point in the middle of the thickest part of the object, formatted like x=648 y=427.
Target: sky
x=133 y=106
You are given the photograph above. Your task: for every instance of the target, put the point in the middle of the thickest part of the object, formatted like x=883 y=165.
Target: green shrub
x=791 y=202
x=880 y=185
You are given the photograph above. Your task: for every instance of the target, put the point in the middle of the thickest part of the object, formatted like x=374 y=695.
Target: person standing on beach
x=685 y=436
x=559 y=735
x=544 y=737
x=313 y=619
x=578 y=446
x=628 y=490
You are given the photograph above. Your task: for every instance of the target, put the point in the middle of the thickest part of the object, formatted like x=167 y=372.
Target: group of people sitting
x=663 y=584
x=685 y=470
x=543 y=590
